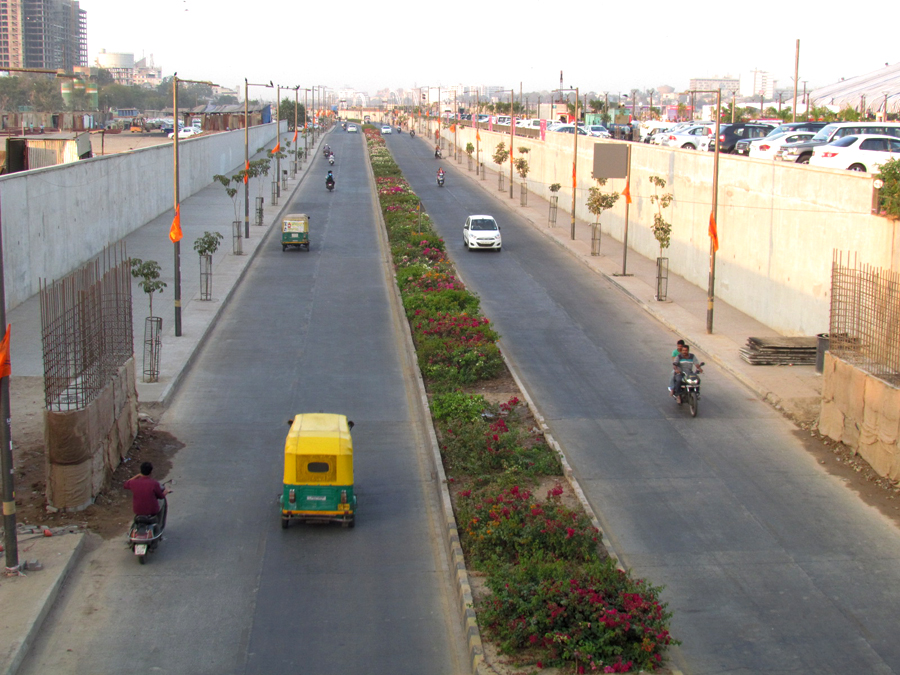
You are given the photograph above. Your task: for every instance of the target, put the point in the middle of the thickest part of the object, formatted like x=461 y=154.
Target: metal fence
x=865 y=317
x=86 y=329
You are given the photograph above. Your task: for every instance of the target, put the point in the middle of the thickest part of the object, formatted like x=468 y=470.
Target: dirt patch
x=110 y=513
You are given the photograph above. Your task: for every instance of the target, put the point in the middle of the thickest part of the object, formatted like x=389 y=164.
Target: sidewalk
x=27 y=599
x=794 y=390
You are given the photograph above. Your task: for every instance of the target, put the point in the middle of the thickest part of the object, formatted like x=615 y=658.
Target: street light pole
x=247 y=86
x=512 y=138
x=574 y=158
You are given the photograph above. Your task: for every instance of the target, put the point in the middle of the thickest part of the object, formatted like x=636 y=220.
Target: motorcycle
x=440 y=180
x=329 y=184
x=146 y=533
x=331 y=159
x=689 y=391
x=437 y=153
x=412 y=134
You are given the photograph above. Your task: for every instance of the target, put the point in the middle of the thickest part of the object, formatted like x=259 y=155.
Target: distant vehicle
x=385 y=130
x=729 y=136
x=186 y=132
x=688 y=138
x=598 y=130
x=802 y=152
x=857 y=153
x=768 y=147
x=352 y=129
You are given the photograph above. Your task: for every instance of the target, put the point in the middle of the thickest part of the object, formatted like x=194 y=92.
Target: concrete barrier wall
x=58 y=218
x=778 y=223
x=863 y=412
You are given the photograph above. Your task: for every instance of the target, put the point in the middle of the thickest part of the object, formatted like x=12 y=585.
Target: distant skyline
x=364 y=47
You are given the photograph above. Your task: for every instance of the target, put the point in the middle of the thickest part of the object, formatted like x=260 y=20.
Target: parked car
x=802 y=152
x=688 y=138
x=185 y=132
x=660 y=138
x=570 y=129
x=650 y=129
x=732 y=133
x=856 y=153
x=482 y=232
x=767 y=147
x=598 y=130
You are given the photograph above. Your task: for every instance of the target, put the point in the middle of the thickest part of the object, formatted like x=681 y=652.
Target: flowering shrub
x=511 y=524
x=593 y=615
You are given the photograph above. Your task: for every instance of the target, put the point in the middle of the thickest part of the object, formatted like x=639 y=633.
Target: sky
x=369 y=47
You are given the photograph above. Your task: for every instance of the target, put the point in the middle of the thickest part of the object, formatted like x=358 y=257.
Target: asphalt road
x=229 y=591
x=770 y=564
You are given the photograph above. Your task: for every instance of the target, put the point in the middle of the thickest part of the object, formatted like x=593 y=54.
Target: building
x=146 y=74
x=758 y=82
x=48 y=34
x=728 y=85
x=119 y=65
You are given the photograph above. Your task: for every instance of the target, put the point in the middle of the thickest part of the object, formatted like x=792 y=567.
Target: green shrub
x=457 y=406
x=440 y=302
x=890 y=192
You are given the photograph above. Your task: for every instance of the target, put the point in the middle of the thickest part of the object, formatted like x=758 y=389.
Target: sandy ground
x=109 y=144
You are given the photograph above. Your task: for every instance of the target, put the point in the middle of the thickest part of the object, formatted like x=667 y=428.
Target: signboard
x=610 y=160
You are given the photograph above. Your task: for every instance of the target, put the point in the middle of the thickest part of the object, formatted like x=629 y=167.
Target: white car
x=185 y=132
x=482 y=232
x=690 y=138
x=660 y=137
x=768 y=146
x=570 y=129
x=385 y=130
x=856 y=153
x=598 y=130
x=352 y=129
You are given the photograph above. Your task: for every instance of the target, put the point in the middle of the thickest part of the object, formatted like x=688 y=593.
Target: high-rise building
x=42 y=34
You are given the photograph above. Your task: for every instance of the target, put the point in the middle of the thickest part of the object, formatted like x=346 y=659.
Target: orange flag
x=627 y=193
x=452 y=128
x=478 y=136
x=573 y=176
x=5 y=368
x=175 y=231
x=277 y=147
x=713 y=232
x=247 y=172
x=295 y=136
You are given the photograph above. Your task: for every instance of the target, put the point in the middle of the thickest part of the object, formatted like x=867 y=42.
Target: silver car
x=482 y=232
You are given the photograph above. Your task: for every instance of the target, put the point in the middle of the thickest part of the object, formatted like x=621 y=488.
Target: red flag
x=573 y=176
x=277 y=147
x=175 y=231
x=452 y=128
x=627 y=193
x=295 y=136
x=5 y=368
x=713 y=232
x=247 y=172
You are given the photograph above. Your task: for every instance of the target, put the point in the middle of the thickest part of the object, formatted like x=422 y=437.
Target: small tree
x=554 y=187
x=208 y=243
x=501 y=154
x=470 y=148
x=232 y=190
x=148 y=273
x=889 y=195
x=520 y=163
x=599 y=201
x=662 y=229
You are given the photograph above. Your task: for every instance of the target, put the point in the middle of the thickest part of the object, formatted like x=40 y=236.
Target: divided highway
x=229 y=591
x=770 y=564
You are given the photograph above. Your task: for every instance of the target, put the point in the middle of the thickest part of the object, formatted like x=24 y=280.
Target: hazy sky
x=370 y=46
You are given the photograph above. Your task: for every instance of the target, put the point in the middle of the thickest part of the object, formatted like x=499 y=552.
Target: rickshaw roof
x=319 y=433
x=295 y=222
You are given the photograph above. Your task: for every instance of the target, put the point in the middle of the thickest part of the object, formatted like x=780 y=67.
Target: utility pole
x=796 y=79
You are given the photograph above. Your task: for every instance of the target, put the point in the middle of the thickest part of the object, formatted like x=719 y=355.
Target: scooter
x=329 y=184
x=440 y=180
x=146 y=533
x=331 y=159
x=437 y=153
x=412 y=133
x=690 y=391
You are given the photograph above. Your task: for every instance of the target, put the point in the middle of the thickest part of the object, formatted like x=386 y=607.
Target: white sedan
x=385 y=130
x=691 y=138
x=185 y=132
x=857 y=153
x=768 y=146
x=482 y=232
x=352 y=129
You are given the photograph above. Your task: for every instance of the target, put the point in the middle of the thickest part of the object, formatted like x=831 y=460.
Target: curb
x=46 y=602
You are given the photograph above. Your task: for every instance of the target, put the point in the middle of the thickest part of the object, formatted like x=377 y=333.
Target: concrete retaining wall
x=862 y=412
x=778 y=223
x=58 y=218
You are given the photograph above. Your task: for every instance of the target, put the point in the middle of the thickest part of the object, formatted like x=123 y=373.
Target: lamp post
x=247 y=85
x=512 y=138
x=306 y=124
x=296 y=106
x=713 y=242
x=177 y=293
x=574 y=158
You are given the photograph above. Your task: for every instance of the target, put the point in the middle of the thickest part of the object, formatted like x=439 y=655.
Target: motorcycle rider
x=329 y=179
x=148 y=497
x=440 y=174
x=437 y=151
x=683 y=364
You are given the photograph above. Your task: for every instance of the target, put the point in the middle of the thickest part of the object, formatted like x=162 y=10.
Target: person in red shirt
x=148 y=497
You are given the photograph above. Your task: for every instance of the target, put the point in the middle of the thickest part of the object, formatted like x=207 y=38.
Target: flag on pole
x=478 y=136
x=295 y=135
x=573 y=176
x=277 y=147
x=175 y=231
x=247 y=172
x=713 y=232
x=452 y=128
x=5 y=368
x=627 y=193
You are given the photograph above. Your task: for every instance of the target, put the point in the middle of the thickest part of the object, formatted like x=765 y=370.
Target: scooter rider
x=683 y=364
x=148 y=497
x=437 y=151
x=329 y=179
x=440 y=174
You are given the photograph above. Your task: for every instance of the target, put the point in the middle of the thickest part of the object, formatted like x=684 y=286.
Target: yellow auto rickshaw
x=295 y=231
x=318 y=470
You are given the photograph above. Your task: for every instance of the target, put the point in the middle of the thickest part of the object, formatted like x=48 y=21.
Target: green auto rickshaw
x=295 y=231
x=318 y=471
